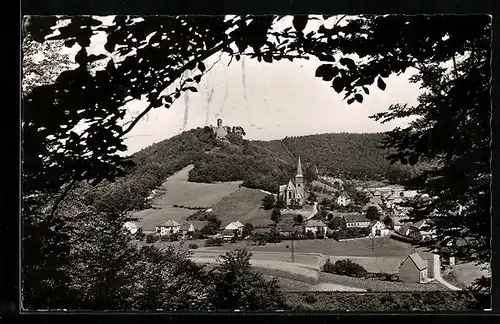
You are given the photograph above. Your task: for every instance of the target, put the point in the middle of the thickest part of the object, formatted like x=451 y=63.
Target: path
x=437 y=274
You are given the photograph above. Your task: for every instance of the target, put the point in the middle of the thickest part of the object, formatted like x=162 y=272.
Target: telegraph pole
x=293 y=254
x=373 y=243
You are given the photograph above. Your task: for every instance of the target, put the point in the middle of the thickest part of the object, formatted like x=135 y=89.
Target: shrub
x=164 y=238
x=310 y=299
x=310 y=235
x=193 y=246
x=214 y=241
x=320 y=236
x=174 y=237
x=151 y=238
x=345 y=268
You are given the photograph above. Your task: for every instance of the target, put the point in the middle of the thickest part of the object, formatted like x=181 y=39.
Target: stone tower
x=299 y=182
x=219 y=122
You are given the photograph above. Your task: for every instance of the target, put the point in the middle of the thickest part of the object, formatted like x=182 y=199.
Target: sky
x=269 y=100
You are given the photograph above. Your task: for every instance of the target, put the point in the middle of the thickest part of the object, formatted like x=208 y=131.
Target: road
x=437 y=274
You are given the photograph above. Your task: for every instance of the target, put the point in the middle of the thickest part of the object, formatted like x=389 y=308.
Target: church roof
x=291 y=184
x=299 y=168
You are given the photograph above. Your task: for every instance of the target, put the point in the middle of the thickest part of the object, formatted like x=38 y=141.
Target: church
x=293 y=193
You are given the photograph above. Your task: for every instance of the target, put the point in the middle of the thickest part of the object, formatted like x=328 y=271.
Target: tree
x=276 y=215
x=309 y=174
x=312 y=197
x=247 y=230
x=336 y=223
x=388 y=222
x=280 y=203
x=372 y=213
x=236 y=285
x=268 y=202
x=298 y=219
x=238 y=130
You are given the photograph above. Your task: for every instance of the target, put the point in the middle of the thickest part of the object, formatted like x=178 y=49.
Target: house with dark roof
x=413 y=269
x=355 y=220
x=167 y=228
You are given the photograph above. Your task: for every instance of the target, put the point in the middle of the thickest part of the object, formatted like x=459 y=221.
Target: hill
x=258 y=164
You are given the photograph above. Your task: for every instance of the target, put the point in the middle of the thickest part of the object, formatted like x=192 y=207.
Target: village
x=311 y=224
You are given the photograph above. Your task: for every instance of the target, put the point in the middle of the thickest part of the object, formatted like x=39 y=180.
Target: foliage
x=276 y=215
x=336 y=223
x=298 y=219
x=247 y=230
x=344 y=268
x=151 y=238
x=238 y=286
x=388 y=222
x=268 y=202
x=310 y=299
x=425 y=301
x=214 y=241
x=312 y=197
x=280 y=203
x=193 y=246
x=372 y=213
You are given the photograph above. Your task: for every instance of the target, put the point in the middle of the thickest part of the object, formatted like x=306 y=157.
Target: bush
x=310 y=299
x=164 y=238
x=344 y=268
x=310 y=235
x=174 y=237
x=320 y=235
x=214 y=241
x=193 y=246
x=151 y=238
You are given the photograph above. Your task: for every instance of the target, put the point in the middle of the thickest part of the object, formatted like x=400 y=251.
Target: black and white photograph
x=242 y=163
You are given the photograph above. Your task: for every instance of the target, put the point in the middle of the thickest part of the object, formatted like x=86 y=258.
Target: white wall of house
x=358 y=224
x=164 y=230
x=316 y=229
x=343 y=201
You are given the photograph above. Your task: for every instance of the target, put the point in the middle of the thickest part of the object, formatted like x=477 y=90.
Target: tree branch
x=61 y=197
x=176 y=74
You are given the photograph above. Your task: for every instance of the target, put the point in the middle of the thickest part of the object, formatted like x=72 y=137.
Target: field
x=382 y=246
x=243 y=205
x=180 y=192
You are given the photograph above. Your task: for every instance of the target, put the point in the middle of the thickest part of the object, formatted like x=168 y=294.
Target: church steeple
x=299 y=169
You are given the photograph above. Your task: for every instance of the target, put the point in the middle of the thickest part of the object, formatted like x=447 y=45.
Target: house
x=227 y=235
x=355 y=220
x=234 y=226
x=377 y=228
x=191 y=227
x=376 y=201
x=343 y=199
x=130 y=227
x=405 y=229
x=413 y=269
x=167 y=228
x=293 y=193
x=316 y=226
x=289 y=229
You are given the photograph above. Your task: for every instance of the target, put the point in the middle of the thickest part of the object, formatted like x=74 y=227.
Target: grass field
x=243 y=205
x=382 y=246
x=180 y=192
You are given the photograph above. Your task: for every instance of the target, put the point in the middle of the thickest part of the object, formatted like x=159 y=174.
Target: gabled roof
x=282 y=188
x=417 y=260
x=185 y=227
x=355 y=218
x=343 y=194
x=170 y=223
x=315 y=223
x=405 y=227
x=291 y=184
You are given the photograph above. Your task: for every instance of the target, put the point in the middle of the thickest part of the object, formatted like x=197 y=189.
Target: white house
x=167 y=228
x=191 y=227
x=343 y=199
x=355 y=220
x=234 y=225
x=131 y=227
x=377 y=228
x=316 y=226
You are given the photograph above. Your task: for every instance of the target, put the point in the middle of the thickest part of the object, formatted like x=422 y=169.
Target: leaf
x=197 y=78
x=299 y=22
x=350 y=101
x=365 y=89
x=81 y=57
x=93 y=58
x=201 y=67
x=268 y=58
x=381 y=84
x=326 y=71
x=338 y=85
x=358 y=97
x=193 y=89
x=69 y=43
x=345 y=61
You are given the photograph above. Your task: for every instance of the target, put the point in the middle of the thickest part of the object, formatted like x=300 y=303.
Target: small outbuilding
x=413 y=269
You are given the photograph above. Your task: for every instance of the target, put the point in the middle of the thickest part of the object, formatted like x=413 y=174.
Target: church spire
x=299 y=169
